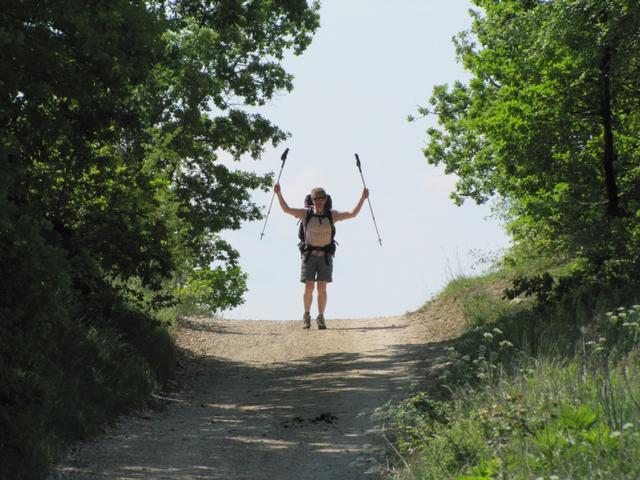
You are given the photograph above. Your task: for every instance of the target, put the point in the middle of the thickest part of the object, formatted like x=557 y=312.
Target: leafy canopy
x=112 y=118
x=549 y=123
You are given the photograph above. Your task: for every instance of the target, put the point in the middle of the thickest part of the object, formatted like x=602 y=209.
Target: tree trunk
x=609 y=154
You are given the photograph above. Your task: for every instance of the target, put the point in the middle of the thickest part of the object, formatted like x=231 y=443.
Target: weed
x=514 y=402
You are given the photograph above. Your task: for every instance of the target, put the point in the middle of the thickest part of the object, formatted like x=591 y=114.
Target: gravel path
x=267 y=400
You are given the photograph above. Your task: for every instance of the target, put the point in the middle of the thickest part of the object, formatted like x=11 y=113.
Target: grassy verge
x=530 y=391
x=82 y=372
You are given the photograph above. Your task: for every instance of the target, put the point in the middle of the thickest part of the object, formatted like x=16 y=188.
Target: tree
x=106 y=112
x=112 y=117
x=549 y=123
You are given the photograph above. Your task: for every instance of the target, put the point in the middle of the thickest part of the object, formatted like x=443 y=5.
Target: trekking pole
x=283 y=157
x=368 y=199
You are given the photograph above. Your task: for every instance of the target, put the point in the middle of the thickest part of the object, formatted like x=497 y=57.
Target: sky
x=370 y=65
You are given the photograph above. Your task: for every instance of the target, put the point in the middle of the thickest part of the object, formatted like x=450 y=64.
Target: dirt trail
x=267 y=400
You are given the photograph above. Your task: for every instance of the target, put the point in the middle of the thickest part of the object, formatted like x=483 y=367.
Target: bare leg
x=322 y=297
x=308 y=295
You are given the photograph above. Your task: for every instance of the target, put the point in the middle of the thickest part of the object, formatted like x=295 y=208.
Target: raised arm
x=296 y=212
x=356 y=209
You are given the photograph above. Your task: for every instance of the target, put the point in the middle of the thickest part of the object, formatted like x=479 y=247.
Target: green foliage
x=538 y=285
x=549 y=122
x=112 y=119
x=207 y=290
x=542 y=390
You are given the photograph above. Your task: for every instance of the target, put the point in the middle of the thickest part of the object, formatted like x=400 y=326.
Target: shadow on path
x=308 y=419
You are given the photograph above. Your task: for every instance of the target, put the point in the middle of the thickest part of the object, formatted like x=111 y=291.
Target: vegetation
x=535 y=391
x=112 y=117
x=111 y=199
x=545 y=384
x=549 y=123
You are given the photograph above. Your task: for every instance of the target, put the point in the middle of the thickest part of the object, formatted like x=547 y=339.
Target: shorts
x=316 y=269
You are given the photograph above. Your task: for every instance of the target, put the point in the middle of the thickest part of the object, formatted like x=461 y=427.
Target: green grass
x=530 y=391
x=550 y=420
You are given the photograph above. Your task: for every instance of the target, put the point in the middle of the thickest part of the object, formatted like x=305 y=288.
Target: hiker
x=318 y=247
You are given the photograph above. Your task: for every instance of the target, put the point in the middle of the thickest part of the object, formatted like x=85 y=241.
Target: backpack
x=306 y=249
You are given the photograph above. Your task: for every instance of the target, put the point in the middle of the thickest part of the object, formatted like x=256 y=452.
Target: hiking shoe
x=306 y=321
x=321 y=324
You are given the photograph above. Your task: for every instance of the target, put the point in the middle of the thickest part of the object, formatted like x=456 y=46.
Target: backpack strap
x=302 y=233
x=327 y=214
x=327 y=249
x=308 y=216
